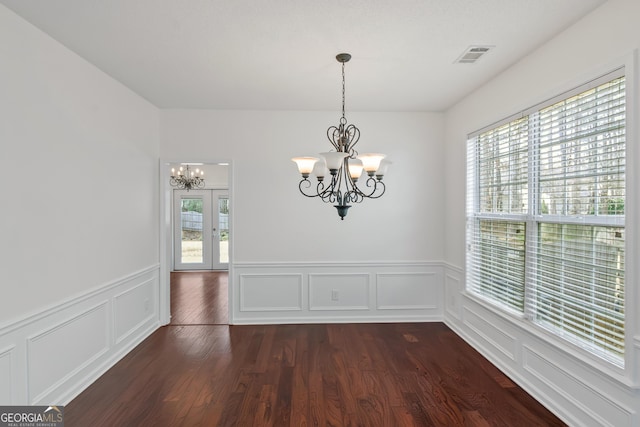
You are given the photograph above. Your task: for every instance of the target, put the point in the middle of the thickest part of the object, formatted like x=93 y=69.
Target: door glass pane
x=191 y=220
x=223 y=221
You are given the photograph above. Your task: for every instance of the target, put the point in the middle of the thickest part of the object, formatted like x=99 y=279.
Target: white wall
x=273 y=222
x=590 y=47
x=79 y=249
x=584 y=391
x=80 y=255
x=291 y=254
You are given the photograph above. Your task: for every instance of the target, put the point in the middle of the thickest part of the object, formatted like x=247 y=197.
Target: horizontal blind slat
x=575 y=280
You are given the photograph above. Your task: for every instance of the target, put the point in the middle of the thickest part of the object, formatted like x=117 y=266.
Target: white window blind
x=499 y=168
x=545 y=216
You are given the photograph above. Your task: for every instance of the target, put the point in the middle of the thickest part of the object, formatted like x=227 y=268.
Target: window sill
x=605 y=369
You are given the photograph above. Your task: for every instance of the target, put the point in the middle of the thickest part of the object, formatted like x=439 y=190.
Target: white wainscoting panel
x=51 y=356
x=498 y=335
x=408 y=291
x=579 y=388
x=270 y=292
x=264 y=293
x=48 y=364
x=6 y=356
x=453 y=288
x=589 y=404
x=132 y=308
x=335 y=291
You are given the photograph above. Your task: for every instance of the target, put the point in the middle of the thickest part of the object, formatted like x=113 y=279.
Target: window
x=546 y=216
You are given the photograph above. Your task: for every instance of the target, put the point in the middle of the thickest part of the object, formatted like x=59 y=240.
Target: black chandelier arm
x=377 y=188
x=354 y=136
x=328 y=195
x=333 y=135
x=353 y=196
x=333 y=193
x=306 y=183
x=324 y=192
x=344 y=139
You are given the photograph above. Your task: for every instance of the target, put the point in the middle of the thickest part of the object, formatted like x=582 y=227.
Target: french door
x=201 y=229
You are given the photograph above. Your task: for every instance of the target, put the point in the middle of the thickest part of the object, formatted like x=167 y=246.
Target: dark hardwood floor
x=406 y=374
x=199 y=298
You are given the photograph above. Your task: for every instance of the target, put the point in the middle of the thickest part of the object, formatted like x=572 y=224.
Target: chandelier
x=344 y=165
x=186 y=179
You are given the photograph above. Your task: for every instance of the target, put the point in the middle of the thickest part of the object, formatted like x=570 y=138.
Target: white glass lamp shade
x=355 y=169
x=334 y=159
x=382 y=169
x=320 y=169
x=371 y=161
x=305 y=164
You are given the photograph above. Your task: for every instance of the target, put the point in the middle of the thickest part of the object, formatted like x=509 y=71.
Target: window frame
x=532 y=217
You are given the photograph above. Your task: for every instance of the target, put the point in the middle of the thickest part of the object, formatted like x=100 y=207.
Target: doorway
x=199 y=298
x=218 y=178
x=201 y=229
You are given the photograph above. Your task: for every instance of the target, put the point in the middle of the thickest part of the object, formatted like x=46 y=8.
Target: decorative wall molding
x=589 y=403
x=494 y=334
x=339 y=264
x=407 y=291
x=127 y=316
x=339 y=291
x=49 y=365
x=270 y=292
x=51 y=356
x=564 y=381
x=98 y=328
x=6 y=365
x=74 y=301
x=336 y=292
x=453 y=290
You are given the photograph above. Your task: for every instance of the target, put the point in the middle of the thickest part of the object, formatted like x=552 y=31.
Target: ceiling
x=280 y=54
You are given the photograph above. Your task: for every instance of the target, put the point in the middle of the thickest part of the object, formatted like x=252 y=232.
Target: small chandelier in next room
x=344 y=166
x=186 y=179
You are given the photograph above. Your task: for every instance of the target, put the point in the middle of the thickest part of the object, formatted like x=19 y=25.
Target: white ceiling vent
x=472 y=54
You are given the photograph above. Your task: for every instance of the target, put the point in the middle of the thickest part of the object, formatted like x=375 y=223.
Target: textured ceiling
x=280 y=54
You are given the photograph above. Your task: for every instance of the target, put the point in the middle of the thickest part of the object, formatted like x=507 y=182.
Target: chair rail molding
x=54 y=354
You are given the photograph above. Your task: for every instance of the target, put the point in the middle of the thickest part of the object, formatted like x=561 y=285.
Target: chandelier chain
x=343 y=95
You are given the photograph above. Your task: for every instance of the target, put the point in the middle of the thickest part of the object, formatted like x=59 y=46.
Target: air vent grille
x=472 y=54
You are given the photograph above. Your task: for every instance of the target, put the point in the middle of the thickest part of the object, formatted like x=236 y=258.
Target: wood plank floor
x=199 y=298
x=407 y=374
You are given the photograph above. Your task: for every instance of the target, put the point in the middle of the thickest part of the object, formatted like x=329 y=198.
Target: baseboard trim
x=337 y=319
x=51 y=356
x=107 y=364
x=559 y=378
